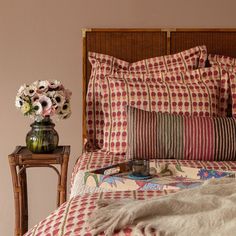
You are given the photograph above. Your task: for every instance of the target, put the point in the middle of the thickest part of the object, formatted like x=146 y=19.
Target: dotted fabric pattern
x=229 y=64
x=107 y=65
x=207 y=94
x=222 y=60
x=70 y=218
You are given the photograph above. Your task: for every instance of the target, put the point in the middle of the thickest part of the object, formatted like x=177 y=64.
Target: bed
x=131 y=45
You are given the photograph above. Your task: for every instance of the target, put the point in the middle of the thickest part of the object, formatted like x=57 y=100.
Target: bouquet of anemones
x=43 y=98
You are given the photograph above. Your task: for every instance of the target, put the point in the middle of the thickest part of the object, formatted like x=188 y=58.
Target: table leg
x=63 y=180
x=24 y=200
x=16 y=190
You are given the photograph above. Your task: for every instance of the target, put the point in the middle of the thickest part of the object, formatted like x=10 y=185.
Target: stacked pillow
x=107 y=65
x=206 y=95
x=228 y=63
x=173 y=84
x=222 y=60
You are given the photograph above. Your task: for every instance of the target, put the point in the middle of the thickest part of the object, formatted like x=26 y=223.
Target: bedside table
x=19 y=161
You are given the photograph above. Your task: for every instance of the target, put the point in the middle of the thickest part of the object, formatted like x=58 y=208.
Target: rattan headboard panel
x=136 y=44
x=126 y=44
x=217 y=41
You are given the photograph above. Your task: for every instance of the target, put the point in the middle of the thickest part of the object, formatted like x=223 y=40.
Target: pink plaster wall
x=41 y=39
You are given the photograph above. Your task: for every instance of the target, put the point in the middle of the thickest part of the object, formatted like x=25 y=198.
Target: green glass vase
x=42 y=138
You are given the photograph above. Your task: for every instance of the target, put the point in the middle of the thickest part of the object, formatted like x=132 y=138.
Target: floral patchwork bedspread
x=90 y=161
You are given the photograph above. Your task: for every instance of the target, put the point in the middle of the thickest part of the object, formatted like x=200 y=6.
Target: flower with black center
x=43 y=98
x=45 y=102
x=38 y=108
x=35 y=98
x=19 y=102
x=30 y=91
x=55 y=84
x=42 y=86
x=59 y=98
x=65 y=111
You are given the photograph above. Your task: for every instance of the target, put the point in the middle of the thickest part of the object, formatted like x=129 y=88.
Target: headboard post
x=168 y=35
x=84 y=130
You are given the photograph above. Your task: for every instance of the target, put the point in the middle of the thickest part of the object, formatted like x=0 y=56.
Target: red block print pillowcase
x=222 y=60
x=105 y=64
x=232 y=76
x=190 y=59
x=208 y=96
x=156 y=135
x=228 y=63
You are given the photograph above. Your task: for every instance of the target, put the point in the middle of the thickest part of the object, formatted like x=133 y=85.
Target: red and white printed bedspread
x=95 y=160
x=70 y=218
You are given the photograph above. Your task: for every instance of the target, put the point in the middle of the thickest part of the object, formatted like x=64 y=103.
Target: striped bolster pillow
x=155 y=135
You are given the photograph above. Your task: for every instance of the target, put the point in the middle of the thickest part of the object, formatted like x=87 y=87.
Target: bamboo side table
x=19 y=161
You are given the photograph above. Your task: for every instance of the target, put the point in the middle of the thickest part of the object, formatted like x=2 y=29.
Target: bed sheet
x=94 y=160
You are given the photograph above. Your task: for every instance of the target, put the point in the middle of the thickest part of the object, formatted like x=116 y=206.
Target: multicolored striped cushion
x=153 y=135
x=208 y=96
x=106 y=65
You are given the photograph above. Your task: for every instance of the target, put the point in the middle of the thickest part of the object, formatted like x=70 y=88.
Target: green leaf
x=178 y=167
x=88 y=174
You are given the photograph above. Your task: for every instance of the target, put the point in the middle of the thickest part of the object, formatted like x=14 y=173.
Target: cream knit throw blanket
x=209 y=210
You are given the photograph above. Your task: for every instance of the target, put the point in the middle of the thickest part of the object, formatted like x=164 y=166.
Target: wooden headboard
x=136 y=44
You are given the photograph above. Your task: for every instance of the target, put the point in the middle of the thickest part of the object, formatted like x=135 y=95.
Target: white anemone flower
x=45 y=102
x=59 y=98
x=54 y=84
x=65 y=108
x=65 y=111
x=43 y=86
x=38 y=109
x=19 y=102
x=35 y=98
x=51 y=93
x=30 y=90
x=21 y=90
